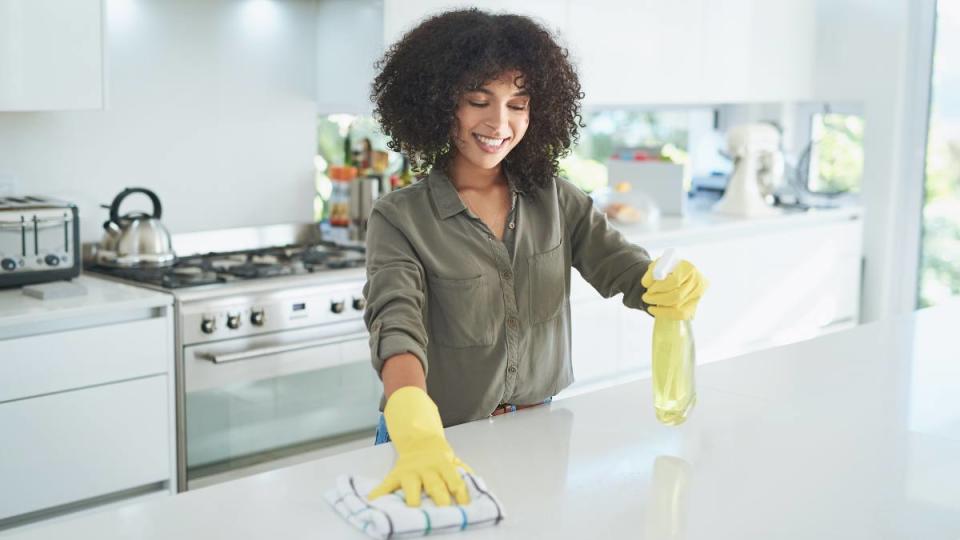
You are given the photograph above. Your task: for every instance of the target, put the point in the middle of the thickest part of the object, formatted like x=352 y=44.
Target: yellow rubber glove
x=424 y=458
x=676 y=296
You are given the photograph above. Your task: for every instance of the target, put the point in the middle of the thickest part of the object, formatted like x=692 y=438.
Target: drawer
x=75 y=445
x=58 y=361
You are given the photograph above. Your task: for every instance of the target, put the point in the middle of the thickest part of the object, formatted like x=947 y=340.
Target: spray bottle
x=674 y=359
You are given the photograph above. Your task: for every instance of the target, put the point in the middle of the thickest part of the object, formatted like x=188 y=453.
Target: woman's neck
x=466 y=175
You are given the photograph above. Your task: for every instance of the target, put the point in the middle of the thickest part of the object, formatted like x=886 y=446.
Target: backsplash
x=208 y=104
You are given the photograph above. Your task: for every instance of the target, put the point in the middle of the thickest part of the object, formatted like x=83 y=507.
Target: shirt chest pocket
x=460 y=312
x=547 y=284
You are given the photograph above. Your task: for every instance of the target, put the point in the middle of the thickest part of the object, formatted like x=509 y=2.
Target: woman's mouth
x=489 y=144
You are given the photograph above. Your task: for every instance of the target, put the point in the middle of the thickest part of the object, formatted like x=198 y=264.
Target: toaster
x=39 y=240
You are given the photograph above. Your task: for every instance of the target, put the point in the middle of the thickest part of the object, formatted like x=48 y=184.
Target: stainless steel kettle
x=135 y=239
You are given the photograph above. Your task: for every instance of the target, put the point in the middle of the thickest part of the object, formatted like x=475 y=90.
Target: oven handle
x=223 y=358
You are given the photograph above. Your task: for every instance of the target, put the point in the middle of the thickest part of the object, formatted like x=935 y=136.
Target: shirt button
x=507 y=275
x=512 y=369
x=512 y=225
x=512 y=323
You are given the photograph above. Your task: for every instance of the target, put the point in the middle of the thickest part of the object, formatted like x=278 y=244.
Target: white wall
x=210 y=104
x=878 y=52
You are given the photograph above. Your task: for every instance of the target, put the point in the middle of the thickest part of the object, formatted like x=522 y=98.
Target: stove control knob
x=359 y=304
x=52 y=260
x=8 y=264
x=337 y=307
x=256 y=318
x=233 y=321
x=208 y=325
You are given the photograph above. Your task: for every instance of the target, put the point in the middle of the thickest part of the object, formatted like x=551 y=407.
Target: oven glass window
x=244 y=423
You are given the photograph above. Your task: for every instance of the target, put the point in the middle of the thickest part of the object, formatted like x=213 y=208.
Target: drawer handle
x=223 y=358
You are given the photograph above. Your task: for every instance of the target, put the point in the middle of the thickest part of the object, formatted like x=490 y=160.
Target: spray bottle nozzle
x=665 y=264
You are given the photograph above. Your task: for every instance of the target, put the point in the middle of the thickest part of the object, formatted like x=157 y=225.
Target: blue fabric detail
x=463 y=515
x=427 y=517
x=383 y=436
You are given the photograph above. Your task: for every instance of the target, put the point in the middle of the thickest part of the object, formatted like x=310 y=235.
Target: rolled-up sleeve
x=601 y=254
x=394 y=293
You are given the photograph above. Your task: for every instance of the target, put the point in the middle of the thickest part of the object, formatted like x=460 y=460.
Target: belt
x=507 y=408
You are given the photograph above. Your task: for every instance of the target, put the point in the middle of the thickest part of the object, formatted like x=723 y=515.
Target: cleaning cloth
x=390 y=517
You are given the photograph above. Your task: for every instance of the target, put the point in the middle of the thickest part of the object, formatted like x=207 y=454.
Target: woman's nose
x=497 y=119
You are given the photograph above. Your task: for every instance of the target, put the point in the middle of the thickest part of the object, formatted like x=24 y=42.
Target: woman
x=468 y=270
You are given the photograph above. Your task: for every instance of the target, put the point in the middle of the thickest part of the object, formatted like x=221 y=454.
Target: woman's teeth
x=489 y=143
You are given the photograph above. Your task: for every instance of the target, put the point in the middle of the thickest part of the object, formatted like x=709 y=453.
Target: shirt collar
x=446 y=198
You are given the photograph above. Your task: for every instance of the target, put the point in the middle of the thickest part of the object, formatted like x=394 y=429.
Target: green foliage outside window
x=940 y=262
x=940 y=259
x=837 y=163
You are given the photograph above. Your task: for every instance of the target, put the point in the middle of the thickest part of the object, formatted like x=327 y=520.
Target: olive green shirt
x=489 y=319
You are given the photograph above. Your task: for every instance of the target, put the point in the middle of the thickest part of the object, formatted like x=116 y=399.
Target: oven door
x=255 y=399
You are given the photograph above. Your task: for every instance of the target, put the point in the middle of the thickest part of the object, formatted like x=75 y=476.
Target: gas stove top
x=306 y=254
x=226 y=267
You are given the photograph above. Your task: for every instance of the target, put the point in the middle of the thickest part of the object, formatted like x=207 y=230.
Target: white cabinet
x=86 y=398
x=51 y=55
x=777 y=287
x=402 y=15
x=632 y=52
x=692 y=51
x=758 y=51
x=768 y=286
x=595 y=338
x=75 y=445
x=637 y=52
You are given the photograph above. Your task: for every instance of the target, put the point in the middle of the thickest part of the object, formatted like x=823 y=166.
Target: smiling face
x=491 y=121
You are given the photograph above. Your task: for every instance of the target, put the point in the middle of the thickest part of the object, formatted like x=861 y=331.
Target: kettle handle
x=115 y=205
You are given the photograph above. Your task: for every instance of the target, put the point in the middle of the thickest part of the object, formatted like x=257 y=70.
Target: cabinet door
x=636 y=331
x=71 y=446
x=595 y=333
x=777 y=287
x=595 y=336
x=727 y=49
x=400 y=16
x=636 y=52
x=59 y=361
x=783 y=39
x=51 y=55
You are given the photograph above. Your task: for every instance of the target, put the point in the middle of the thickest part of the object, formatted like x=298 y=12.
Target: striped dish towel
x=390 y=517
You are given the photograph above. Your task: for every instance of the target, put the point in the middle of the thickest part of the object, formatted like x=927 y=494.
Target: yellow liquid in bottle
x=674 y=394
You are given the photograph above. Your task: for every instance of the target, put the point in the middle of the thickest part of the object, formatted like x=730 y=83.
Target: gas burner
x=263 y=258
x=325 y=257
x=256 y=270
x=188 y=271
x=188 y=277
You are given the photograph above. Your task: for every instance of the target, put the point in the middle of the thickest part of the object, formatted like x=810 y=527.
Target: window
x=836 y=152
x=940 y=257
x=663 y=134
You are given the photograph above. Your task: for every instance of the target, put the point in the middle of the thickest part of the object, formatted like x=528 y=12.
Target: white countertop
x=854 y=435
x=106 y=296
x=702 y=225
x=103 y=297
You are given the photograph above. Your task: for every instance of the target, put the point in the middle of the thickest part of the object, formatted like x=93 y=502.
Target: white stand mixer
x=755 y=149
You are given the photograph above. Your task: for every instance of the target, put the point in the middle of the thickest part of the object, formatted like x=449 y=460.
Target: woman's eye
x=477 y=103
x=518 y=107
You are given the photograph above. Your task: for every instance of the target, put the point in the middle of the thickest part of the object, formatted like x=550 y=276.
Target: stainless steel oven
x=272 y=358
x=270 y=373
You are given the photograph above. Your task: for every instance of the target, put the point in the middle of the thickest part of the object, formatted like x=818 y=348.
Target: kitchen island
x=852 y=435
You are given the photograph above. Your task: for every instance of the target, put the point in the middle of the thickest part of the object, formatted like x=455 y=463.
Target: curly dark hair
x=422 y=76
